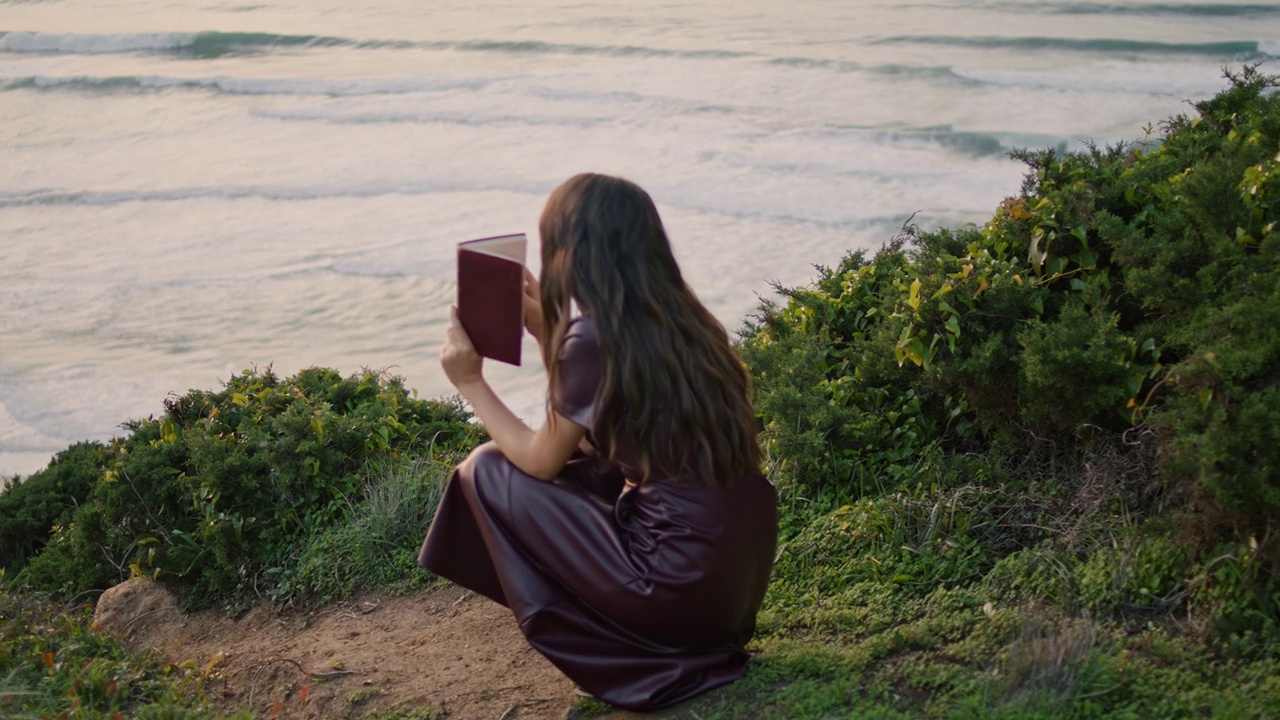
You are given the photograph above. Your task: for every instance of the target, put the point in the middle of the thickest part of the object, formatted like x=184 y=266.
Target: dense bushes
x=48 y=498
x=216 y=496
x=1129 y=291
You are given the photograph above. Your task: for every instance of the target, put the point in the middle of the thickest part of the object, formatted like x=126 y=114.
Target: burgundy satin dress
x=644 y=596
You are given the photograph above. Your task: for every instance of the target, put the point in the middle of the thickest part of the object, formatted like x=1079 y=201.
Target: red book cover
x=491 y=295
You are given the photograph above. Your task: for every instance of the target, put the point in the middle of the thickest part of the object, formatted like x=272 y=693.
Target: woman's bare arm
x=541 y=453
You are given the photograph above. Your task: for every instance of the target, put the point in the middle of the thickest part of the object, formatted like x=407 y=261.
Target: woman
x=632 y=534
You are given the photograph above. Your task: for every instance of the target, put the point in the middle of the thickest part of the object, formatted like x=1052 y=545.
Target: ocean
x=195 y=187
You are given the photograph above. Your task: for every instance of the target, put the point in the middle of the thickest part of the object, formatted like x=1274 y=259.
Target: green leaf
x=913 y=299
x=1086 y=258
x=1206 y=397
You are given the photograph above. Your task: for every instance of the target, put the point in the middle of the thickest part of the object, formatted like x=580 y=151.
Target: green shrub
x=839 y=412
x=1081 y=356
x=216 y=496
x=1204 y=267
x=1128 y=290
x=31 y=508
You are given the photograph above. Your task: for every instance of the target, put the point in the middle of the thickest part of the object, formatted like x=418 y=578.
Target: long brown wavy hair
x=671 y=380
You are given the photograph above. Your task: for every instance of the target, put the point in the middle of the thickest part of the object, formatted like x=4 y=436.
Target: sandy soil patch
x=447 y=649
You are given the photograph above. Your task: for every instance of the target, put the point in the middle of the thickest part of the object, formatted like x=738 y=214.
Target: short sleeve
x=574 y=393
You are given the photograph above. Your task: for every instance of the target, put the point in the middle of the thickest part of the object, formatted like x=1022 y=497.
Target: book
x=491 y=295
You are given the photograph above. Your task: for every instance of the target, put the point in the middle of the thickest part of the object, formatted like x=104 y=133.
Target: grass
x=955 y=660
x=966 y=594
x=54 y=663
x=376 y=546
x=972 y=592
x=1037 y=587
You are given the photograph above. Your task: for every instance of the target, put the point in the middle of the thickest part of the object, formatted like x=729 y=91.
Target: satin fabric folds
x=644 y=596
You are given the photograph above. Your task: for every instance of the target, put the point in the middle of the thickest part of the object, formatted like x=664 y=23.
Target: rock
x=124 y=606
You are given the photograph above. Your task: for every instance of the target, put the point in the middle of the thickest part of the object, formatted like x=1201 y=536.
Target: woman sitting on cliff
x=632 y=534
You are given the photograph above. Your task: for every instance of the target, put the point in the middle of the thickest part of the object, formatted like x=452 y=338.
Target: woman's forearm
x=508 y=431
x=541 y=453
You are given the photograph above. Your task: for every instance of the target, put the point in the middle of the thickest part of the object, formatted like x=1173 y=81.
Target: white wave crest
x=331 y=87
x=1154 y=79
x=32 y=42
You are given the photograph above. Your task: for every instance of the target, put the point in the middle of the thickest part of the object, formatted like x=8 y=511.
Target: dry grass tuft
x=1046 y=659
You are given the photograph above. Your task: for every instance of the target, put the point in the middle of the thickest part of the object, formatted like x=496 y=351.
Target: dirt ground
x=446 y=649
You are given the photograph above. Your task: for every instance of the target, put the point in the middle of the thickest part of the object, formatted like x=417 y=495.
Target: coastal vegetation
x=235 y=496
x=1027 y=469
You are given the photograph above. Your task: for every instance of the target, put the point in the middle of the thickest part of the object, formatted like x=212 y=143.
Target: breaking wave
x=336 y=87
x=1237 y=50
x=217 y=44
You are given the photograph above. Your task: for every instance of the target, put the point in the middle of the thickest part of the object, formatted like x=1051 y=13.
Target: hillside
x=1026 y=470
